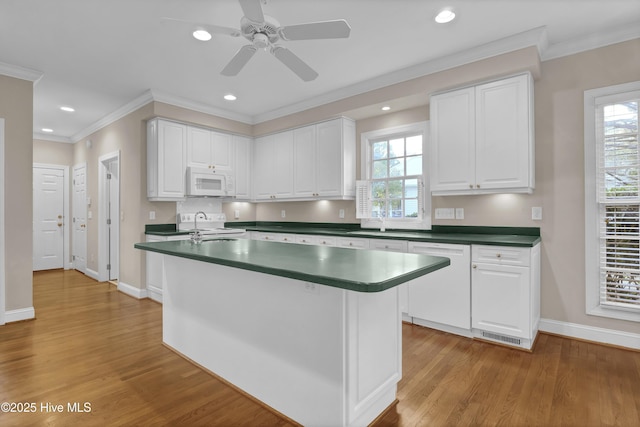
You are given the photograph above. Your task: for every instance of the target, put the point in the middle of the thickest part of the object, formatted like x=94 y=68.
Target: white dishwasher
x=442 y=299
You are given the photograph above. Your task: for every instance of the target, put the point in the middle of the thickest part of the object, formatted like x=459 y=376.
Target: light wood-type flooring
x=91 y=343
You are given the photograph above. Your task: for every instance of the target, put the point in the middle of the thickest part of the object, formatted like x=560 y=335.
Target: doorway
x=109 y=225
x=50 y=214
x=79 y=221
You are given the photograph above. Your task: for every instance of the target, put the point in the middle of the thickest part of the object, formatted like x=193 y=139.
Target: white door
x=112 y=193
x=79 y=245
x=2 y=243
x=48 y=219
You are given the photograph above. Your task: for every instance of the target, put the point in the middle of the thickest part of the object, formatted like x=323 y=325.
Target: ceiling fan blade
x=294 y=63
x=252 y=10
x=193 y=26
x=337 y=29
x=239 y=60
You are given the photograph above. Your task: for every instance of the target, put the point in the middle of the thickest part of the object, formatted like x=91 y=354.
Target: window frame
x=366 y=139
x=592 y=100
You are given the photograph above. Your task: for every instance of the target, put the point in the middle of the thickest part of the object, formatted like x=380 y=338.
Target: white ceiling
x=99 y=55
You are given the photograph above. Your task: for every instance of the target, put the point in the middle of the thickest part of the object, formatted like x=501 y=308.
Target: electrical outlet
x=459 y=213
x=536 y=213
x=152 y=214
x=283 y=213
x=236 y=214
x=341 y=213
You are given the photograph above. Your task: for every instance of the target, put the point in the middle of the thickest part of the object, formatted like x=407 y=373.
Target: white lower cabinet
x=505 y=287
x=154 y=268
x=395 y=246
x=442 y=299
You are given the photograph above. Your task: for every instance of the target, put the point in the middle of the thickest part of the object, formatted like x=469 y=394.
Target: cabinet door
x=305 y=161
x=453 y=140
x=263 y=167
x=503 y=136
x=198 y=147
x=221 y=151
x=443 y=296
x=171 y=159
x=283 y=165
x=329 y=158
x=242 y=167
x=500 y=299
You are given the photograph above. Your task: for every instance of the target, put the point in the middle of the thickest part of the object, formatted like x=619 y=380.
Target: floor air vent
x=502 y=338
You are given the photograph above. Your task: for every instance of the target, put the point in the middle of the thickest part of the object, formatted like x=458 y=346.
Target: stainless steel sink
x=222 y=239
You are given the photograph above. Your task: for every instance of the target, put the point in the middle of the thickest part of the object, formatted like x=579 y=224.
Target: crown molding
x=20 y=72
x=128 y=108
x=200 y=107
x=53 y=138
x=590 y=41
x=534 y=37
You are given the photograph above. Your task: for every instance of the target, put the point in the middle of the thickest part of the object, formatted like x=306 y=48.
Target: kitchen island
x=313 y=332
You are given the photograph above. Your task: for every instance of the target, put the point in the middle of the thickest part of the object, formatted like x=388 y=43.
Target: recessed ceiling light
x=68 y=109
x=386 y=108
x=202 y=35
x=230 y=97
x=47 y=130
x=445 y=15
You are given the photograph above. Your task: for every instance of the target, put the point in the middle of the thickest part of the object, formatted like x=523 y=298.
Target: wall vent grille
x=503 y=338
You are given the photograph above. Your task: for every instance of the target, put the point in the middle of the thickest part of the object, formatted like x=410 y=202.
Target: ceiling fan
x=264 y=32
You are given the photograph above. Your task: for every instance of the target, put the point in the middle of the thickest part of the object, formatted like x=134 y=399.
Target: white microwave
x=209 y=183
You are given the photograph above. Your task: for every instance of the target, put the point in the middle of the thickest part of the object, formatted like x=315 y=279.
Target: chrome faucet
x=196 y=236
x=195 y=219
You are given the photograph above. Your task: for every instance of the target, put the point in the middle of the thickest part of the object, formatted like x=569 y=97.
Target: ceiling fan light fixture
x=202 y=35
x=444 y=16
x=230 y=97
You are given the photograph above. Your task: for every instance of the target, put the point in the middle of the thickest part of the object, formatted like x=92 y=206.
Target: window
x=394 y=167
x=612 y=177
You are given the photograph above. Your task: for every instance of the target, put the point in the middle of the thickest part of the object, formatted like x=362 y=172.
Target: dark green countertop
x=361 y=271
x=464 y=235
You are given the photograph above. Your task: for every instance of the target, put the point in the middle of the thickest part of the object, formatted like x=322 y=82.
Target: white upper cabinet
x=209 y=149
x=482 y=138
x=273 y=167
x=242 y=166
x=324 y=160
x=166 y=160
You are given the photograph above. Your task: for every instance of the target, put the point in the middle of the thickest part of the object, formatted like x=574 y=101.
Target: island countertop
x=361 y=271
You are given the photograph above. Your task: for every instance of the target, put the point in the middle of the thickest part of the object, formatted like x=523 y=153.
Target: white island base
x=320 y=355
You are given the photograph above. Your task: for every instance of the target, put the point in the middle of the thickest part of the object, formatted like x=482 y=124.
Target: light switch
x=89 y=214
x=236 y=214
x=341 y=213
x=445 y=213
x=459 y=213
x=283 y=213
x=152 y=214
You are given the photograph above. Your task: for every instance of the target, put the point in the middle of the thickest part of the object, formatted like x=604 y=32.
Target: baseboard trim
x=132 y=290
x=591 y=333
x=19 y=315
x=154 y=293
x=93 y=274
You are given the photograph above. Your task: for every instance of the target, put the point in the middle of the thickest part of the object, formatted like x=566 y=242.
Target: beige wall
x=16 y=107
x=53 y=153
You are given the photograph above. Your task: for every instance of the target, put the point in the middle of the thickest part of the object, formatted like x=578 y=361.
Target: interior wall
x=16 y=107
x=53 y=153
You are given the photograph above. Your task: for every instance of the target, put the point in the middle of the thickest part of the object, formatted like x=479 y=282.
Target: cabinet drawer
x=505 y=255
x=345 y=242
x=388 y=245
x=306 y=239
x=274 y=237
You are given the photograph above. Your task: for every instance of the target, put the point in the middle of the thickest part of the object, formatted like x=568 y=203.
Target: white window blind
x=618 y=198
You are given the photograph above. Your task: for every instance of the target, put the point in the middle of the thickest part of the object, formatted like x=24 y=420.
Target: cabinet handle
x=477 y=185
x=324 y=243
x=350 y=244
x=475 y=266
x=470 y=185
x=498 y=256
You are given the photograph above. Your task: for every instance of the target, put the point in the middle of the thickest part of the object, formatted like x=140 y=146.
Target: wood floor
x=92 y=344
